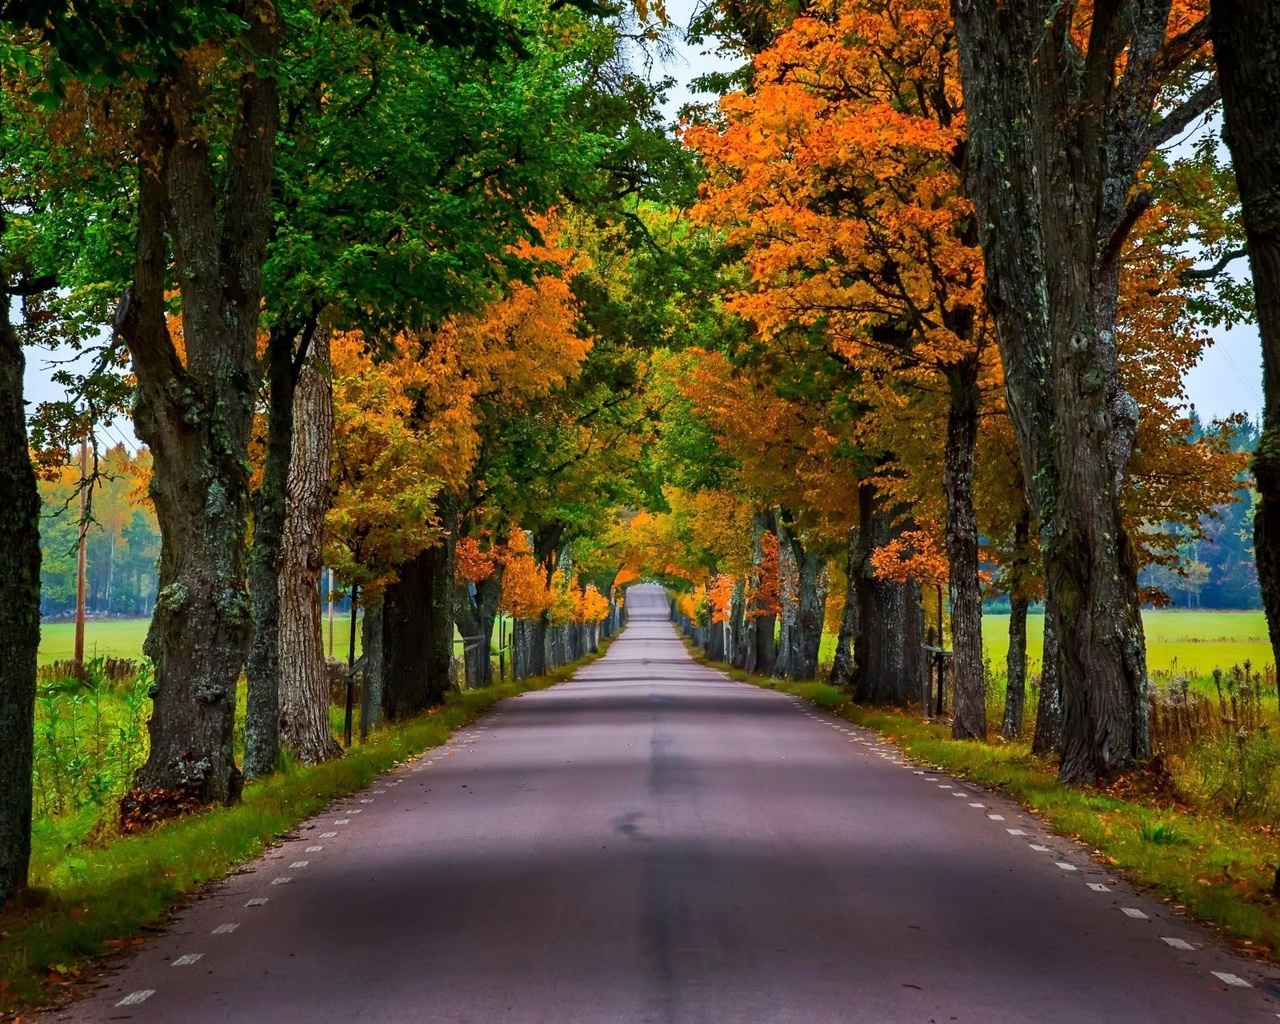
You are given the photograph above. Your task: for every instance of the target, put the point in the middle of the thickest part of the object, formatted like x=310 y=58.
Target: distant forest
x=123 y=539
x=1217 y=570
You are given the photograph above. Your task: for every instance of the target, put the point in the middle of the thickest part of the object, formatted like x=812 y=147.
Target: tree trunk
x=374 y=675
x=1015 y=695
x=842 y=665
x=888 y=663
x=475 y=615
x=417 y=634
x=304 y=683
x=1053 y=158
x=1246 y=43
x=970 y=718
x=19 y=614
x=813 y=606
x=737 y=650
x=1047 y=739
x=790 y=638
x=194 y=410
x=262 y=670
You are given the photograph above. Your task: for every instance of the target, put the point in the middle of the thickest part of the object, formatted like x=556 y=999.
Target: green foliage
x=90 y=735
x=1237 y=775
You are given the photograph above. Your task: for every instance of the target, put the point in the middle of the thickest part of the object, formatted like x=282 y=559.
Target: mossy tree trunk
x=1056 y=141
x=842 y=666
x=194 y=409
x=1246 y=42
x=1015 y=694
x=970 y=718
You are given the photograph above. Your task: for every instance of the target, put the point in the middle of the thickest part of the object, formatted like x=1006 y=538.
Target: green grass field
x=1178 y=641
x=122 y=638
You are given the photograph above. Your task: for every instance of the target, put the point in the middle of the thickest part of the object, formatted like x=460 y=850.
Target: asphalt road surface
x=653 y=842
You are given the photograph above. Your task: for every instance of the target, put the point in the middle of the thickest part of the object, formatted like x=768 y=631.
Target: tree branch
x=1177 y=120
x=1193 y=274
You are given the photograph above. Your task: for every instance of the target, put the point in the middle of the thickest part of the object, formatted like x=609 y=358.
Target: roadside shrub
x=1236 y=773
x=90 y=735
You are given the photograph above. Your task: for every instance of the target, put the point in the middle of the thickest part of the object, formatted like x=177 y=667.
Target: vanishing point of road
x=653 y=842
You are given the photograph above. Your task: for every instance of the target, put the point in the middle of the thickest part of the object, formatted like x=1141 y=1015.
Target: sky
x=1227 y=379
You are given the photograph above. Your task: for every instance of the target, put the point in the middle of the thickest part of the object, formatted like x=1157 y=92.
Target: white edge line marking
x=314 y=849
x=187 y=959
x=996 y=817
x=328 y=835
x=1176 y=943
x=281 y=880
x=299 y=864
x=1134 y=913
x=1099 y=887
x=134 y=998
x=1015 y=832
x=977 y=805
x=1231 y=979
x=1067 y=867
x=259 y=901
x=1038 y=848
x=226 y=929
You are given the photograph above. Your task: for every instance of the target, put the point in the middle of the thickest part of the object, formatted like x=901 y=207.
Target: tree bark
x=1047 y=739
x=417 y=634
x=888 y=661
x=262 y=670
x=842 y=666
x=1246 y=43
x=790 y=556
x=195 y=410
x=475 y=615
x=1055 y=144
x=813 y=606
x=1015 y=694
x=19 y=613
x=304 y=683
x=970 y=718
x=737 y=651
x=371 y=683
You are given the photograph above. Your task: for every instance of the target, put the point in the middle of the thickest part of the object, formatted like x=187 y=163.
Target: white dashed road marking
x=282 y=880
x=1177 y=943
x=1098 y=887
x=134 y=998
x=1038 y=848
x=328 y=835
x=977 y=805
x=343 y=821
x=1015 y=832
x=314 y=849
x=996 y=817
x=1067 y=867
x=187 y=959
x=259 y=901
x=1131 y=912
x=1231 y=979
x=226 y=929
x=299 y=863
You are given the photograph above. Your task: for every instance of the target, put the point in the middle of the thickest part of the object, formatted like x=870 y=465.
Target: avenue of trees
x=430 y=294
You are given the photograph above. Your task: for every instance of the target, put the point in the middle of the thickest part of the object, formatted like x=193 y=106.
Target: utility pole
x=82 y=551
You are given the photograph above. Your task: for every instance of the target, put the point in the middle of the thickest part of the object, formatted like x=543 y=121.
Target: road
x=653 y=842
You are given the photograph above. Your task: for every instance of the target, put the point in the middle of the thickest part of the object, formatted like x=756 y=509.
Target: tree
x=1246 y=43
x=304 y=679
x=838 y=173
x=1064 y=105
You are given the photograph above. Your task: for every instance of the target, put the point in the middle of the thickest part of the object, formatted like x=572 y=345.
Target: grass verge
x=1215 y=869
x=99 y=898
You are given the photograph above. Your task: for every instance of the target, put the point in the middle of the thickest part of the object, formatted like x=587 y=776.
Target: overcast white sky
x=1228 y=378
